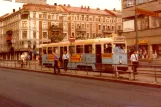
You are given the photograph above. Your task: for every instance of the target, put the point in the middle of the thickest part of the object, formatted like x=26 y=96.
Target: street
x=30 y=89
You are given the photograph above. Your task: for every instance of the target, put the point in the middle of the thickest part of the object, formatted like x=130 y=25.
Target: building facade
x=149 y=26
x=24 y=30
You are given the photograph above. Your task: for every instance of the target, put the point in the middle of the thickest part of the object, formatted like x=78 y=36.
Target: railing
x=150 y=73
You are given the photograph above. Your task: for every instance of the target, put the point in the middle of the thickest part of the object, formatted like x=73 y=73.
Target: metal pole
x=136 y=28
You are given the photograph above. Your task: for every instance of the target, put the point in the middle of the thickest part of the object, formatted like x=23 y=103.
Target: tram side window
x=88 y=48
x=72 y=49
x=55 y=49
x=49 y=50
x=107 y=48
x=44 y=50
x=79 y=48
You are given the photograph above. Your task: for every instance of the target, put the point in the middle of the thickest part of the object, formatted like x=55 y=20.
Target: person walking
x=65 y=60
x=134 y=61
x=56 y=59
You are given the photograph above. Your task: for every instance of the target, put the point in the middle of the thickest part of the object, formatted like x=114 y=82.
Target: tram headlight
x=120 y=61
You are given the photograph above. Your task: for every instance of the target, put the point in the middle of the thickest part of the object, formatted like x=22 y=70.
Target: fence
x=150 y=73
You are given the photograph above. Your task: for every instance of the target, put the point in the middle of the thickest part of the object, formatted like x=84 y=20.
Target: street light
x=136 y=28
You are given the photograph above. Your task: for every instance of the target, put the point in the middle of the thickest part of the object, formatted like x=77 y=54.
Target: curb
x=145 y=84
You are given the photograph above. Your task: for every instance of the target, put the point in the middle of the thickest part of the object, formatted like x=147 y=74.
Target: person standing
x=28 y=59
x=22 y=60
x=66 y=60
x=134 y=61
x=56 y=59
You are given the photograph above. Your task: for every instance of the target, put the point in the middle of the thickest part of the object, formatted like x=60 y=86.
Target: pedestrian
x=28 y=59
x=134 y=61
x=40 y=59
x=65 y=60
x=22 y=59
x=56 y=61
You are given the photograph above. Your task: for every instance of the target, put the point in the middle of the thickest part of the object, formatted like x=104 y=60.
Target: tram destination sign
x=119 y=39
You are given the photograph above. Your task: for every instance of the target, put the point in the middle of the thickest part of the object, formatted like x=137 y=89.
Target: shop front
x=143 y=49
x=148 y=47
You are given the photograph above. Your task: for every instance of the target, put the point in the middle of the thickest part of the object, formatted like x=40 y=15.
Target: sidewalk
x=146 y=78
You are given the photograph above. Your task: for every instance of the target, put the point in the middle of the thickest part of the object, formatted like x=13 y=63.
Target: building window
x=24 y=24
x=73 y=18
x=44 y=16
x=88 y=36
x=99 y=27
x=44 y=25
x=78 y=17
x=40 y=16
x=82 y=17
x=34 y=14
x=72 y=25
x=143 y=22
x=128 y=3
x=24 y=34
x=34 y=24
x=94 y=27
x=119 y=27
x=154 y=22
x=34 y=34
x=112 y=27
x=49 y=16
x=44 y=34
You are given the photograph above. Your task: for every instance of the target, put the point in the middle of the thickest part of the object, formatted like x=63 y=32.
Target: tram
x=92 y=54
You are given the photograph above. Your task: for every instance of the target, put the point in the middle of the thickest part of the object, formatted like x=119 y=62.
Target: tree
x=58 y=38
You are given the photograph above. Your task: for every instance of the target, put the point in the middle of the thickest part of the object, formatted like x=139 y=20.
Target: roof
x=87 y=10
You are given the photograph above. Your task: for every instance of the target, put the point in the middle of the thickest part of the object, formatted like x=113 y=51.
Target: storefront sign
x=141 y=42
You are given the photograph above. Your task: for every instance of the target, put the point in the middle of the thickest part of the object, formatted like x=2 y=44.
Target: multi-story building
x=24 y=30
x=148 y=26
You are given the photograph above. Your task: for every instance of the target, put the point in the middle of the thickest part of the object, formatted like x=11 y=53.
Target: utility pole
x=136 y=28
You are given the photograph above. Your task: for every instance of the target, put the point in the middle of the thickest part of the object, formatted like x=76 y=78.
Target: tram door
x=62 y=49
x=98 y=54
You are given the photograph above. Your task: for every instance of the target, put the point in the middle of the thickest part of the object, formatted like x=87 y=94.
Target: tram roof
x=79 y=42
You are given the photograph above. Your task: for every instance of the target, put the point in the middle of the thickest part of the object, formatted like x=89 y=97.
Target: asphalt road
x=30 y=89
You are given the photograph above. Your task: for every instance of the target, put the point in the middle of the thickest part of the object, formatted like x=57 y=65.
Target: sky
x=6 y=7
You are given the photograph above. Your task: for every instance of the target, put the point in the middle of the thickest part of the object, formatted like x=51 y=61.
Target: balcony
x=107 y=31
x=80 y=29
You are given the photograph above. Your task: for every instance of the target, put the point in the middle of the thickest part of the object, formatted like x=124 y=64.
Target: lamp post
x=136 y=28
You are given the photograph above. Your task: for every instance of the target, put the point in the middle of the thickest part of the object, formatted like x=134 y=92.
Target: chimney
x=114 y=9
x=88 y=7
x=98 y=8
x=85 y=7
x=64 y=4
x=14 y=10
x=19 y=8
x=81 y=6
x=55 y=4
x=68 y=5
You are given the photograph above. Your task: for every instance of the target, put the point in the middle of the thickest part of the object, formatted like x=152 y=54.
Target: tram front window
x=120 y=46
